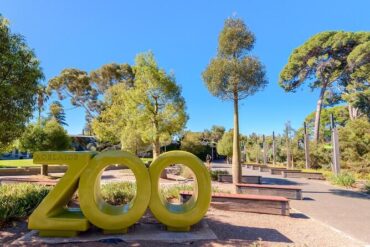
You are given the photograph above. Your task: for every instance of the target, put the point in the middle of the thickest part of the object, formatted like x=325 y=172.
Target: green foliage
x=225 y=145
x=20 y=72
x=19 y=200
x=322 y=62
x=354 y=143
x=46 y=136
x=56 y=112
x=151 y=111
x=345 y=179
x=341 y=117
x=118 y=193
x=84 y=89
x=214 y=174
x=367 y=187
x=358 y=90
x=192 y=142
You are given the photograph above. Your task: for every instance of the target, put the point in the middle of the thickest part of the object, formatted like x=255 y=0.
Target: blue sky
x=183 y=36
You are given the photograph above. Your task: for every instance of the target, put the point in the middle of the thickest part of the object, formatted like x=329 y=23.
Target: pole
x=335 y=144
x=306 y=147
x=264 y=150
x=273 y=148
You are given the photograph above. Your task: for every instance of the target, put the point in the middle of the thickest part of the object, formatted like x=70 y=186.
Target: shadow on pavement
x=339 y=192
x=298 y=216
x=226 y=231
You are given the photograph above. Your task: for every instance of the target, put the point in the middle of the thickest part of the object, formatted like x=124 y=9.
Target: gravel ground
x=237 y=229
x=231 y=228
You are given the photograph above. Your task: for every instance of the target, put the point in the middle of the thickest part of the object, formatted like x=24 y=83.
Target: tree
x=321 y=62
x=225 y=144
x=341 y=117
x=49 y=136
x=56 y=112
x=358 y=90
x=42 y=97
x=192 y=142
x=153 y=107
x=233 y=75
x=354 y=142
x=20 y=73
x=84 y=89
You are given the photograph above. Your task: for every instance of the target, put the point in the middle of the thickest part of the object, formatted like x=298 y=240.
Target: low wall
x=245 y=179
x=278 y=171
x=271 y=190
x=309 y=175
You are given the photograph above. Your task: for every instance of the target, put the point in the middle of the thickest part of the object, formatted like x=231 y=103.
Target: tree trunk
x=156 y=149
x=353 y=112
x=318 y=113
x=273 y=149
x=236 y=168
x=44 y=170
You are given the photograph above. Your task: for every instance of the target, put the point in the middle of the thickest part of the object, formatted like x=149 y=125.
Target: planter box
x=246 y=203
x=278 y=171
x=289 y=192
x=309 y=175
x=245 y=179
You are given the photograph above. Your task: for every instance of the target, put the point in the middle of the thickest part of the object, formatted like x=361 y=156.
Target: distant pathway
x=341 y=209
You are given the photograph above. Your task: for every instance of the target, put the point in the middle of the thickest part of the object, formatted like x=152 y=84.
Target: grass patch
x=345 y=179
x=17 y=163
x=19 y=200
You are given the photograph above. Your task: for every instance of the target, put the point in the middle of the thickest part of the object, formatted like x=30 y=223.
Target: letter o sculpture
x=180 y=217
x=106 y=216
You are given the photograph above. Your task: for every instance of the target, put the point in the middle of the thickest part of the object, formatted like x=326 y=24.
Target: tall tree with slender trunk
x=322 y=63
x=234 y=75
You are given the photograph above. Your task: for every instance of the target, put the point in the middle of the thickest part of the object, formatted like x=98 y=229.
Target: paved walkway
x=341 y=209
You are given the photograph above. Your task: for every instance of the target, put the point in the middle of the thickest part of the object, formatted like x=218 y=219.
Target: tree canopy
x=20 y=73
x=56 y=112
x=47 y=136
x=151 y=111
x=322 y=63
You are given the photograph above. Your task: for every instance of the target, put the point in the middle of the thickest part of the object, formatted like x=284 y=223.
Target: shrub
x=346 y=179
x=19 y=200
x=214 y=174
x=367 y=187
x=118 y=193
x=186 y=172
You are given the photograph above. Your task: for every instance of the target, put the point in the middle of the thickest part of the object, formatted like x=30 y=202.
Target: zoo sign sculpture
x=53 y=219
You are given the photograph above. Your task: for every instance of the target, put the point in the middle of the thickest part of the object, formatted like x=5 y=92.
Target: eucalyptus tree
x=20 y=73
x=83 y=89
x=234 y=75
x=322 y=63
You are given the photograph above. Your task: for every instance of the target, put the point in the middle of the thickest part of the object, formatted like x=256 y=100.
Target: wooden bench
x=278 y=171
x=246 y=203
x=47 y=182
x=289 y=192
x=309 y=175
x=226 y=178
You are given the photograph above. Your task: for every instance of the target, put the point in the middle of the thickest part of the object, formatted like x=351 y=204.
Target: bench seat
x=290 y=192
x=246 y=203
x=226 y=178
